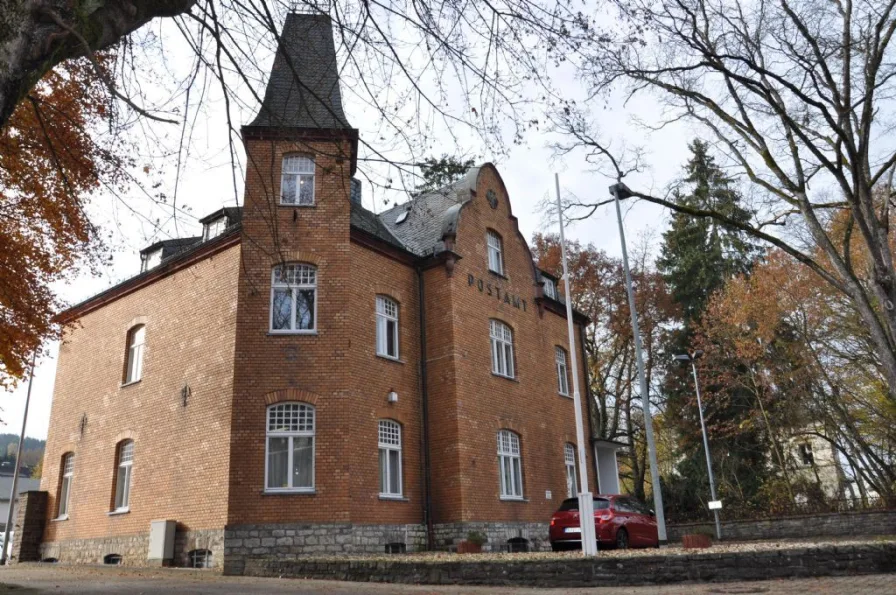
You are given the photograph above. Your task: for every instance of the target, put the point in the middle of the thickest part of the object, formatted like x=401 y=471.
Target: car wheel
x=621 y=539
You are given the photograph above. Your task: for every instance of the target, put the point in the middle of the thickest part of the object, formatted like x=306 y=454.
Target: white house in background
x=25 y=484
x=815 y=460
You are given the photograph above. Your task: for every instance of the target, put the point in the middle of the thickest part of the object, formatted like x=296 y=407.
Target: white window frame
x=562 y=371
x=215 y=228
x=151 y=260
x=301 y=168
x=501 y=337
x=386 y=312
x=65 y=485
x=136 y=339
x=495 y=252
x=291 y=435
x=389 y=440
x=550 y=288
x=510 y=466
x=572 y=479
x=298 y=270
x=124 y=475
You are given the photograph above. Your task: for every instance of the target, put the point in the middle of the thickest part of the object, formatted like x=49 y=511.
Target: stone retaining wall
x=448 y=535
x=28 y=526
x=134 y=549
x=582 y=572
x=838 y=524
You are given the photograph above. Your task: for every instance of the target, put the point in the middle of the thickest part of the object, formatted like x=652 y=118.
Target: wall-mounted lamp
x=392 y=397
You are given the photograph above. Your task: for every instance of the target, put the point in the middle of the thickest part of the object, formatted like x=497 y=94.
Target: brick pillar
x=29 y=527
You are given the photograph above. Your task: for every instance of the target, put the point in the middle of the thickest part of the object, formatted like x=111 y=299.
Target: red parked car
x=620 y=521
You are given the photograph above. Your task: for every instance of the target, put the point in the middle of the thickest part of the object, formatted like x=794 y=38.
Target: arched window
x=386 y=327
x=65 y=485
x=502 y=348
x=297 y=180
x=562 y=371
x=112 y=559
x=134 y=367
x=510 y=465
x=495 y=252
x=569 y=457
x=123 y=473
x=294 y=298
x=390 y=458
x=290 y=448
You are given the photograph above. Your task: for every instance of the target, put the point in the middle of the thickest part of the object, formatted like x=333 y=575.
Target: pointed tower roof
x=303 y=89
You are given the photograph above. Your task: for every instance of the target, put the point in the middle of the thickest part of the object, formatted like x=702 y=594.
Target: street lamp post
x=692 y=358
x=620 y=191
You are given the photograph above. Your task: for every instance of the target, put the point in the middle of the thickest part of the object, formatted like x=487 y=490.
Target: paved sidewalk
x=45 y=579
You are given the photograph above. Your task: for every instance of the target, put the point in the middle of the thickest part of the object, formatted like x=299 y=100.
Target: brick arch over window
x=390 y=412
x=136 y=321
x=389 y=291
x=293 y=256
x=291 y=394
x=503 y=423
x=126 y=435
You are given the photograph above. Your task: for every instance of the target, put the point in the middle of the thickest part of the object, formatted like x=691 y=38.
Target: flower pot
x=468 y=547
x=696 y=541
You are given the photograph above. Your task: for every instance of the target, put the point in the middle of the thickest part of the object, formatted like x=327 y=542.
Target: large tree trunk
x=36 y=35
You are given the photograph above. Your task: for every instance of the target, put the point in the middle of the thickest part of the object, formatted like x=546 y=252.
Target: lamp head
x=698 y=354
x=681 y=359
x=621 y=190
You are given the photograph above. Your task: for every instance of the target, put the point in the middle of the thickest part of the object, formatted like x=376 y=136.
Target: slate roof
x=368 y=222
x=428 y=214
x=234 y=215
x=303 y=89
x=172 y=247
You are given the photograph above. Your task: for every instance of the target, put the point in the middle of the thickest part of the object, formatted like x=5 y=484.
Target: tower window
x=297 y=181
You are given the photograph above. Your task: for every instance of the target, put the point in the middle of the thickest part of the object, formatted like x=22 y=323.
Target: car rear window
x=573 y=504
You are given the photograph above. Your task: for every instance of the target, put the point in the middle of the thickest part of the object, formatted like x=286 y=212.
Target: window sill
x=394 y=360
x=499 y=275
x=513 y=499
x=131 y=383
x=510 y=378
x=303 y=492
x=291 y=333
x=567 y=396
x=296 y=205
x=118 y=511
x=59 y=518
x=392 y=498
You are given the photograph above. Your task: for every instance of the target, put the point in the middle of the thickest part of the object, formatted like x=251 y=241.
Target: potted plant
x=472 y=544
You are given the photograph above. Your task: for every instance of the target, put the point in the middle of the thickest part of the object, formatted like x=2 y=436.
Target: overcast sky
x=206 y=185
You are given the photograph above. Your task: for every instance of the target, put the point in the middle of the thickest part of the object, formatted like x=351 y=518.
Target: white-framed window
x=390 y=458
x=495 y=252
x=65 y=486
x=569 y=458
x=807 y=458
x=134 y=366
x=562 y=371
x=289 y=461
x=294 y=298
x=386 y=327
x=297 y=180
x=550 y=288
x=214 y=228
x=502 y=348
x=151 y=259
x=123 y=476
x=510 y=465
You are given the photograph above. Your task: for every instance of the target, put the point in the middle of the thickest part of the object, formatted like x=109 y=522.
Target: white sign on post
x=715 y=505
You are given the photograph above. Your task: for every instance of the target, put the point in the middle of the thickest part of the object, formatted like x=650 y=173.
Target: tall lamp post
x=715 y=504
x=620 y=191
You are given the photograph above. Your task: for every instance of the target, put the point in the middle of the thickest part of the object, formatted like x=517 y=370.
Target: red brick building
x=309 y=376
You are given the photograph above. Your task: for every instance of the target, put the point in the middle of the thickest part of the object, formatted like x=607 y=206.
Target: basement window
x=397 y=547
x=200 y=559
x=112 y=559
x=518 y=544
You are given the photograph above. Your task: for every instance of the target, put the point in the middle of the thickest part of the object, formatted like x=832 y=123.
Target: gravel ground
x=27 y=579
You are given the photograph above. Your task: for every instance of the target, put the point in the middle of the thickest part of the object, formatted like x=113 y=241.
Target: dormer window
x=151 y=260
x=214 y=228
x=297 y=181
x=550 y=288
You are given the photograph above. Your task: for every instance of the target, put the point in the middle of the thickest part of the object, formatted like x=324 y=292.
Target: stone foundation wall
x=838 y=524
x=28 y=526
x=448 y=535
x=572 y=572
x=134 y=549
x=288 y=540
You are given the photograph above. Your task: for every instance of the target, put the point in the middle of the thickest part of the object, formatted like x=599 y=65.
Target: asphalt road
x=35 y=579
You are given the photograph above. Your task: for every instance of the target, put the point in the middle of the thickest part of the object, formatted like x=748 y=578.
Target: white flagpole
x=586 y=501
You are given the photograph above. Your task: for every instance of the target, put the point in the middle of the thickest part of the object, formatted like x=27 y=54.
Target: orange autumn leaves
x=56 y=150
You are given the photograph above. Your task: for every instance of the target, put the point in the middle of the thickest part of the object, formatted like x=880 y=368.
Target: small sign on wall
x=547 y=494
x=715 y=505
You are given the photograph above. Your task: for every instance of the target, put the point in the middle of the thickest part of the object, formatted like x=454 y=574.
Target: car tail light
x=553 y=521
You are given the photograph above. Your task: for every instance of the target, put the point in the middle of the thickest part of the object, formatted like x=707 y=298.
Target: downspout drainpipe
x=424 y=406
x=589 y=399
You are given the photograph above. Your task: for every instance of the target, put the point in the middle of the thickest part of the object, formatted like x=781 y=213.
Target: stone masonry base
x=133 y=549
